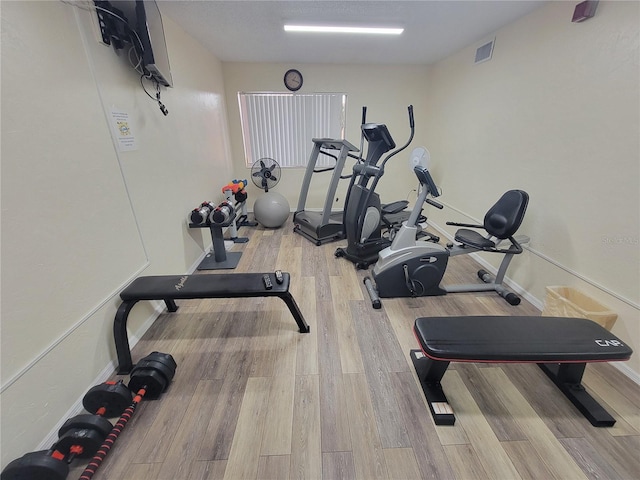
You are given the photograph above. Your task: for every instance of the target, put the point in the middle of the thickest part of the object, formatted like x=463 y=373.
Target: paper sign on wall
x=123 y=131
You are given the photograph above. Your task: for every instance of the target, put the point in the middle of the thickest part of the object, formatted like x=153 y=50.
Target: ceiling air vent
x=484 y=52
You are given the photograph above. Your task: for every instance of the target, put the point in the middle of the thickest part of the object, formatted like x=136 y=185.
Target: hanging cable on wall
x=163 y=109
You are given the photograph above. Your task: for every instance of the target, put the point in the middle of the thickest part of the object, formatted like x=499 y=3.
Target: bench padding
x=518 y=339
x=184 y=287
x=560 y=346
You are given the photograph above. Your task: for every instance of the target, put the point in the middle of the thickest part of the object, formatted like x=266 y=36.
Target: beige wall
x=555 y=112
x=386 y=91
x=79 y=218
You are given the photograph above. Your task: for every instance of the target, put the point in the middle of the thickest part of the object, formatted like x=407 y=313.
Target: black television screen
x=151 y=32
x=143 y=30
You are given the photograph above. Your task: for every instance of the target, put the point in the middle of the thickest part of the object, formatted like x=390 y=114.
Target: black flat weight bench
x=560 y=346
x=184 y=287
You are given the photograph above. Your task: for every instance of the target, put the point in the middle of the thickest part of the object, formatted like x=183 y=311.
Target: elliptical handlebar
x=364 y=120
x=412 y=126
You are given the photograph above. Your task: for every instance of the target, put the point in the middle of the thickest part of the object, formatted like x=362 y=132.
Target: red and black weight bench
x=184 y=287
x=560 y=346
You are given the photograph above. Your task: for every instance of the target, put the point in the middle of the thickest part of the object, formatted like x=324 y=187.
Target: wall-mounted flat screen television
x=151 y=31
x=143 y=30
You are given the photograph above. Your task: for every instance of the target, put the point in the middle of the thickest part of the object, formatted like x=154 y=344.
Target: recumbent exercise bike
x=414 y=268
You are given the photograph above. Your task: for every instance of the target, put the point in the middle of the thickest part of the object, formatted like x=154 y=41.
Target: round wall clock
x=293 y=80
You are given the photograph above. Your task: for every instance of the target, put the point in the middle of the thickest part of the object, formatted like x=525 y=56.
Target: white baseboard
x=75 y=409
x=536 y=302
x=624 y=368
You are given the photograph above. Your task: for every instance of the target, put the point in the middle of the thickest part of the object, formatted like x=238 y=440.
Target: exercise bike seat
x=501 y=221
x=474 y=239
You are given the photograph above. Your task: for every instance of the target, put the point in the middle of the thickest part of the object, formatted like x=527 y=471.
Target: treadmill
x=325 y=226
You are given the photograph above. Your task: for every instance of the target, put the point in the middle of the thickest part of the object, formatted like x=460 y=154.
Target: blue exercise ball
x=271 y=210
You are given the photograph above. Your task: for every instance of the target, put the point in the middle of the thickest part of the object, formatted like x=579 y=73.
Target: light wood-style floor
x=254 y=399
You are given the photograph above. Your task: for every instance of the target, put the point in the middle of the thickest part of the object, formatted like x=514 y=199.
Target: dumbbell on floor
x=84 y=435
x=148 y=379
x=79 y=436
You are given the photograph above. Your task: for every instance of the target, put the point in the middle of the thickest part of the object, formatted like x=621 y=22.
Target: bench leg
x=123 y=350
x=171 y=305
x=295 y=311
x=430 y=372
x=125 y=363
x=567 y=377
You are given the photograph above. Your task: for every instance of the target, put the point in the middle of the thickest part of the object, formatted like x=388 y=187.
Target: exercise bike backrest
x=504 y=218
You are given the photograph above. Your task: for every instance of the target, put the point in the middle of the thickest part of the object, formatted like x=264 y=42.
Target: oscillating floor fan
x=271 y=209
x=265 y=173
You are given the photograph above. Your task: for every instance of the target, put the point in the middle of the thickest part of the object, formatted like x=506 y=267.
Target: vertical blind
x=281 y=125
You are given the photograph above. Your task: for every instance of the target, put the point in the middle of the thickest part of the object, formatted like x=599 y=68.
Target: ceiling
x=252 y=31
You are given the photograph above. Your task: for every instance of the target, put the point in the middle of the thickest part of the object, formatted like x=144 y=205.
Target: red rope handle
x=106 y=446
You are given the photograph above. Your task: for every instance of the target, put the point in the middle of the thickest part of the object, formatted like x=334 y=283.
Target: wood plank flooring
x=255 y=399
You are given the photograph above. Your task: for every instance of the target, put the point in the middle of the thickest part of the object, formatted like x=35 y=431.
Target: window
x=281 y=125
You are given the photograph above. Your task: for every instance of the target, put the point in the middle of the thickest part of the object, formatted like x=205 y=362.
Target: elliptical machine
x=414 y=268
x=364 y=218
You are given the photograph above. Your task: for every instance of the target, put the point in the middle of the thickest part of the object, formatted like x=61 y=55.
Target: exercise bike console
x=425 y=178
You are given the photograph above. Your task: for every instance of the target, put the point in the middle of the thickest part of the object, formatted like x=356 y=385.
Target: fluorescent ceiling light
x=336 y=29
